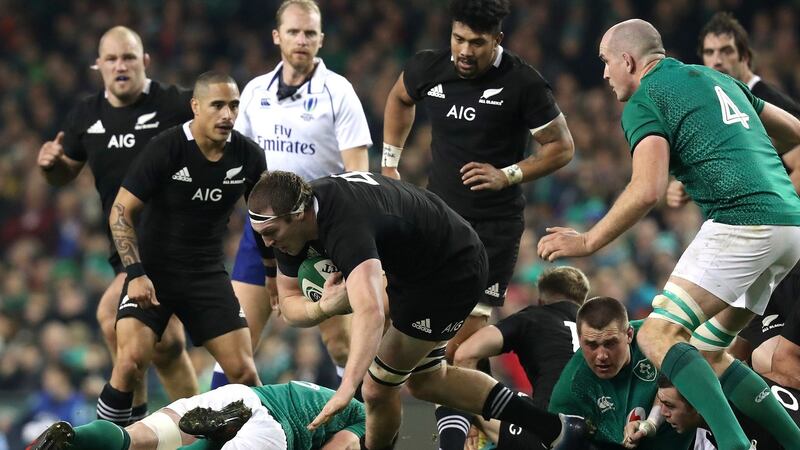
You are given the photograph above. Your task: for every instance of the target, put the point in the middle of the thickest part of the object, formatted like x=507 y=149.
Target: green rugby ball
x=312 y=275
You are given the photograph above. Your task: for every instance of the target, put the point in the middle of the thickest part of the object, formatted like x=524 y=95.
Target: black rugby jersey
x=544 y=339
x=108 y=138
x=189 y=198
x=486 y=119
x=768 y=93
x=362 y=216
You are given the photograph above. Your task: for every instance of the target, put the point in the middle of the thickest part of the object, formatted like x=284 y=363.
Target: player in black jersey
x=543 y=336
x=773 y=340
x=191 y=177
x=435 y=267
x=483 y=103
x=107 y=130
x=685 y=419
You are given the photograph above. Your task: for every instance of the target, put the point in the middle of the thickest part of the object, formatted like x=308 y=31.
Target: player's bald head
x=207 y=79
x=121 y=34
x=636 y=37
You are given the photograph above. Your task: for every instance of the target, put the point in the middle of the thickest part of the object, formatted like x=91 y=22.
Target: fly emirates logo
x=282 y=141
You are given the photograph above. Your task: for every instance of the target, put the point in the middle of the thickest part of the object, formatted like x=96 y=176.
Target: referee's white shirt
x=304 y=133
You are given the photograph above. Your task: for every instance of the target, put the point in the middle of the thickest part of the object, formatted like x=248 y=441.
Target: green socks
x=752 y=396
x=101 y=435
x=697 y=382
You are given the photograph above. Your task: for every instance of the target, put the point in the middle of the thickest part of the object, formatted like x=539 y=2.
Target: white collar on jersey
x=497 y=58
x=190 y=137
x=316 y=85
x=145 y=89
x=753 y=81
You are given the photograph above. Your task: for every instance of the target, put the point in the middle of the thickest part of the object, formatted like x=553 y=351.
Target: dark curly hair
x=726 y=23
x=482 y=16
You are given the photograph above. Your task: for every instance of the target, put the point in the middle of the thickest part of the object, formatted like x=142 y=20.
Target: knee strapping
x=386 y=375
x=711 y=336
x=433 y=361
x=166 y=430
x=676 y=305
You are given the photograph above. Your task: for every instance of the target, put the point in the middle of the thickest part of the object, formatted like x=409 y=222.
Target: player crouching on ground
x=232 y=417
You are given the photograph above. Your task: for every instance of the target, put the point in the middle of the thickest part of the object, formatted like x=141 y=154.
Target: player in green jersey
x=610 y=379
x=272 y=417
x=712 y=134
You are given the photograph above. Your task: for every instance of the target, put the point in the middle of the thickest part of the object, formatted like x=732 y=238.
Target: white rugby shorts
x=740 y=264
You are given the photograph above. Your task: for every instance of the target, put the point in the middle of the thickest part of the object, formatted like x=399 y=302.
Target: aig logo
x=121 y=141
x=207 y=194
x=462 y=113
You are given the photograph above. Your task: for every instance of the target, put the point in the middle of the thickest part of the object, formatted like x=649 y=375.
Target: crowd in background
x=52 y=246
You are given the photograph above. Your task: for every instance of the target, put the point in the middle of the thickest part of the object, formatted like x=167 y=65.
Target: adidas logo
x=423 y=325
x=436 y=91
x=493 y=290
x=96 y=128
x=127 y=303
x=183 y=175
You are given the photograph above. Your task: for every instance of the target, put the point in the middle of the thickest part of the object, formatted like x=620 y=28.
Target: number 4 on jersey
x=730 y=112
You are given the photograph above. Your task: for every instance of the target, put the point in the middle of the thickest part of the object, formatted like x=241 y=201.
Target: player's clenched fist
x=51 y=152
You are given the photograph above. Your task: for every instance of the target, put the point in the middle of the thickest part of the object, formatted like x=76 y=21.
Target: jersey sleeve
x=513 y=328
x=357 y=418
x=256 y=165
x=539 y=104
x=150 y=170
x=242 y=124
x=349 y=243
x=351 y=125
x=288 y=264
x=72 y=136
x=757 y=103
x=641 y=119
x=414 y=74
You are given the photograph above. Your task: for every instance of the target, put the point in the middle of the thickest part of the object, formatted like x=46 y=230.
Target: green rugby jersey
x=608 y=403
x=295 y=404
x=719 y=148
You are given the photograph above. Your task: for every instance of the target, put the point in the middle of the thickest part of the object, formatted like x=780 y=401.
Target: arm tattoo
x=553 y=132
x=124 y=237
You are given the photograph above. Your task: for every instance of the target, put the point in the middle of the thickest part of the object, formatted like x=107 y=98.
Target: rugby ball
x=312 y=275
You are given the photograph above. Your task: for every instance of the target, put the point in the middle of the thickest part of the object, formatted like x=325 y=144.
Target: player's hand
x=676 y=194
x=51 y=152
x=633 y=436
x=562 y=243
x=482 y=176
x=338 y=402
x=334 y=300
x=390 y=172
x=142 y=292
x=473 y=436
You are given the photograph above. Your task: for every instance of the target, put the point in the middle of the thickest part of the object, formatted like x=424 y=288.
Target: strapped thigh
x=675 y=305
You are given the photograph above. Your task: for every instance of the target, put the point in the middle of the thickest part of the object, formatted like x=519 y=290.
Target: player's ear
x=195 y=106
x=276 y=37
x=146 y=60
x=630 y=64
x=321 y=39
x=499 y=38
x=629 y=333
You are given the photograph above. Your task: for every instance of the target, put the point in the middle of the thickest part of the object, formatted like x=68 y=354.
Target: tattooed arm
x=140 y=288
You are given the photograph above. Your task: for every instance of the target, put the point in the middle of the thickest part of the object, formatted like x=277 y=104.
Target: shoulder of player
x=240 y=140
x=520 y=69
x=771 y=94
x=429 y=58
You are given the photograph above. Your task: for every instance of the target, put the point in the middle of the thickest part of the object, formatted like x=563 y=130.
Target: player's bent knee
x=243 y=373
x=676 y=306
x=170 y=347
x=338 y=349
x=165 y=429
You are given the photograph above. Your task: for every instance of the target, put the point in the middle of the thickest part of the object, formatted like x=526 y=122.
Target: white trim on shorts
x=740 y=264
x=261 y=432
